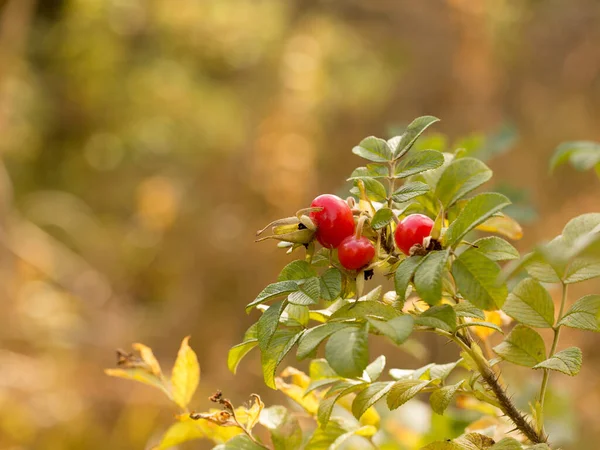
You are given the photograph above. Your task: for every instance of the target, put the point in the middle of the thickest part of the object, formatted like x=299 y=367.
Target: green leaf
x=428 y=276
x=374 y=370
x=507 y=443
x=412 y=133
x=397 y=329
x=441 y=371
x=295 y=316
x=251 y=332
x=285 y=430
x=272 y=291
x=583 y=314
x=335 y=392
x=375 y=190
x=443 y=445
x=359 y=311
x=313 y=337
x=441 y=316
x=347 y=351
x=466 y=309
x=331 y=284
x=419 y=162
x=441 y=398
x=583 y=155
x=582 y=269
x=404 y=274
x=475 y=212
x=531 y=304
x=373 y=149
x=523 y=346
x=240 y=442
x=474 y=441
x=567 y=361
x=381 y=218
x=404 y=390
x=325 y=435
x=462 y=176
x=268 y=323
x=296 y=271
x=580 y=226
x=308 y=294
x=408 y=191
x=280 y=345
x=539 y=269
x=369 y=396
x=185 y=375
x=374 y=295
x=365 y=431
x=477 y=279
x=371 y=171
x=496 y=249
x=319 y=368
x=237 y=353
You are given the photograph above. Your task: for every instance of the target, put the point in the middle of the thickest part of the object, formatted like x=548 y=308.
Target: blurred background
x=142 y=143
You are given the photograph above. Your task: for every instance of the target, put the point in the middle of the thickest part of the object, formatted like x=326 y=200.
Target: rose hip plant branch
x=444 y=249
x=423 y=231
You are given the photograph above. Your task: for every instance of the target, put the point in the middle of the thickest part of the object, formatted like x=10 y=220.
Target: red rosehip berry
x=412 y=230
x=334 y=222
x=355 y=253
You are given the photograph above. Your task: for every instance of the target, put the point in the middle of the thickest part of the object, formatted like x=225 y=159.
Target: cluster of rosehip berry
x=331 y=222
x=335 y=228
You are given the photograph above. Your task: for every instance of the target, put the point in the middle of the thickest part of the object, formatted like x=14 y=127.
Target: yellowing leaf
x=149 y=358
x=295 y=389
x=253 y=413
x=187 y=429
x=504 y=225
x=186 y=374
x=494 y=317
x=180 y=432
x=138 y=374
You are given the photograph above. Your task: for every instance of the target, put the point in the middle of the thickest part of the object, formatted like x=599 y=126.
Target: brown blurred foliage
x=143 y=142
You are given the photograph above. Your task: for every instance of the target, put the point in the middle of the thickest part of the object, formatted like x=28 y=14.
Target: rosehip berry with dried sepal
x=355 y=252
x=412 y=230
x=334 y=222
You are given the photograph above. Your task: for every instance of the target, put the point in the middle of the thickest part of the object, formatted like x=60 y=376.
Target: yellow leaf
x=295 y=389
x=186 y=374
x=370 y=417
x=504 y=225
x=366 y=431
x=491 y=317
x=138 y=374
x=473 y=404
x=254 y=412
x=181 y=432
x=485 y=425
x=186 y=429
x=149 y=358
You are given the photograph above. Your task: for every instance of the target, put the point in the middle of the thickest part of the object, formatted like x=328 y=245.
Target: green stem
x=391 y=182
x=546 y=376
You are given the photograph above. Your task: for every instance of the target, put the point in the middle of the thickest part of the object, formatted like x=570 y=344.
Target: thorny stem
x=491 y=381
x=546 y=376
